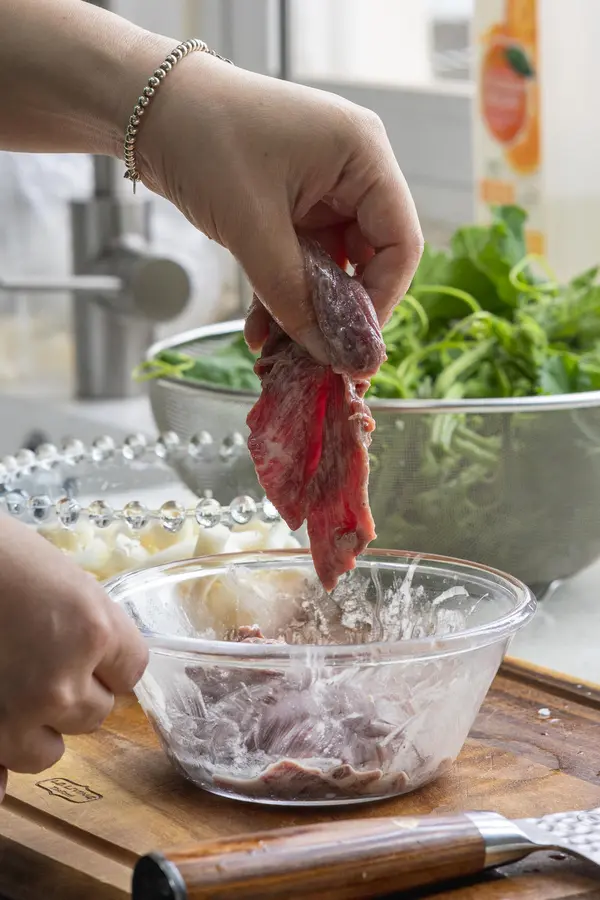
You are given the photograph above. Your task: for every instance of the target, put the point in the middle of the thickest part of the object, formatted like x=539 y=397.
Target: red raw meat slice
x=286 y=429
x=340 y=525
x=310 y=429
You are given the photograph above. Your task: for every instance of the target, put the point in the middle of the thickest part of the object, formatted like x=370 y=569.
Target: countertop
x=565 y=633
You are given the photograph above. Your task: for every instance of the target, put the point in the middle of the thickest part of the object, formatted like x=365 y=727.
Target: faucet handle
x=154 y=288
x=159 y=288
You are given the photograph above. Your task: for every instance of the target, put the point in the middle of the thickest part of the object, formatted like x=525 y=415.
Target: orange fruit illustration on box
x=508 y=88
x=505 y=75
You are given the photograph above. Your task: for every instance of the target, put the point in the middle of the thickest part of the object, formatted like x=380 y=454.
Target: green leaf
x=433 y=267
x=586 y=279
x=590 y=374
x=487 y=251
x=229 y=367
x=514 y=218
x=459 y=272
x=573 y=316
x=465 y=363
x=559 y=374
x=519 y=61
x=462 y=275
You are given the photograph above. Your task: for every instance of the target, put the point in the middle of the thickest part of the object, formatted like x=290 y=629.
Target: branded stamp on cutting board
x=516 y=763
x=69 y=790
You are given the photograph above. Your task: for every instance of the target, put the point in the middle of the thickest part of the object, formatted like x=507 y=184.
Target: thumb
x=273 y=260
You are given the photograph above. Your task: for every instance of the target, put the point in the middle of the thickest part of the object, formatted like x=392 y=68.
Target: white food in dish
x=116 y=549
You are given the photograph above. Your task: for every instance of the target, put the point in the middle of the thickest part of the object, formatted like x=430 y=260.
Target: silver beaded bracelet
x=154 y=82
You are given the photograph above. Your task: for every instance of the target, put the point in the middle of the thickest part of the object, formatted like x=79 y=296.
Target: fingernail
x=312 y=340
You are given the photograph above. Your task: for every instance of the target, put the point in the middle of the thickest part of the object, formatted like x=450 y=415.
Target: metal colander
x=511 y=483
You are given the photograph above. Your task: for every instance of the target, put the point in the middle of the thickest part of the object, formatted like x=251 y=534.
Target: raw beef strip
x=290 y=735
x=286 y=431
x=340 y=525
x=310 y=429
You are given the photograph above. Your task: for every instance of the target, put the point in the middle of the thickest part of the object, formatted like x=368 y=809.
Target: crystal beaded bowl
x=114 y=508
x=359 y=695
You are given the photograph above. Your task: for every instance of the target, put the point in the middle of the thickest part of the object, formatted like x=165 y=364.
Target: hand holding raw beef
x=310 y=429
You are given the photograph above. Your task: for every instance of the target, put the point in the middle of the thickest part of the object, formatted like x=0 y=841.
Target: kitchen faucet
x=120 y=290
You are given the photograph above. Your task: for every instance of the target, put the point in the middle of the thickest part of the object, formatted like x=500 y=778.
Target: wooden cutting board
x=75 y=832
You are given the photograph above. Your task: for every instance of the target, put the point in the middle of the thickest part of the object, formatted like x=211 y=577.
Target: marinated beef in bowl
x=262 y=686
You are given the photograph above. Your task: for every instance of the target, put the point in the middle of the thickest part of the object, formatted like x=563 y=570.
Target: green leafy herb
x=231 y=366
x=482 y=319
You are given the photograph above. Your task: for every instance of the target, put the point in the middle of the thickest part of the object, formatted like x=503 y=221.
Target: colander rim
x=550 y=403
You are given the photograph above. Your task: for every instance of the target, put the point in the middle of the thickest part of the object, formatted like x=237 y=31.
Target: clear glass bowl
x=118 y=507
x=363 y=694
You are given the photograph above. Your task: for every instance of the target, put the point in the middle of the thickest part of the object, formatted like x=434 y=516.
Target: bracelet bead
x=149 y=91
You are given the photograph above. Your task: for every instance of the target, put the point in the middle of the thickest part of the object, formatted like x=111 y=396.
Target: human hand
x=254 y=162
x=65 y=651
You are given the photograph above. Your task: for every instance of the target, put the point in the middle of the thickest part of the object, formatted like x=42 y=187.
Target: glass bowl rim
x=374 y=653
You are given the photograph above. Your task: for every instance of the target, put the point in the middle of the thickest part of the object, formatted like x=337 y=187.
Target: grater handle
x=340 y=860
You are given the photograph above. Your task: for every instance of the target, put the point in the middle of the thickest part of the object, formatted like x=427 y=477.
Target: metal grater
x=574 y=832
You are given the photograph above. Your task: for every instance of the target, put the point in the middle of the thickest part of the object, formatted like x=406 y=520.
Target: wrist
x=185 y=97
x=130 y=76
x=148 y=97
